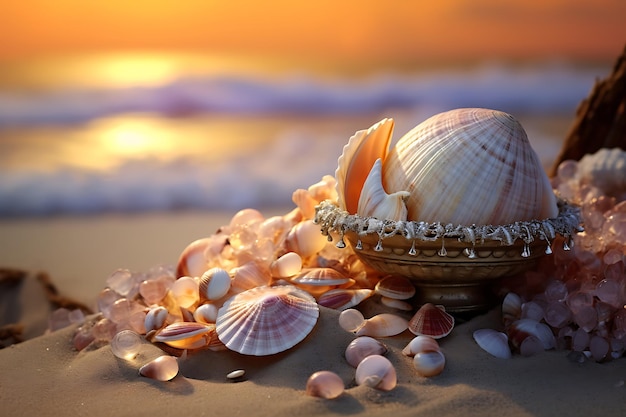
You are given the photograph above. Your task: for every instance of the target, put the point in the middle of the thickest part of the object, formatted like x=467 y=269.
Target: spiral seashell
x=431 y=320
x=493 y=342
x=469 y=166
x=374 y=200
x=325 y=384
x=383 y=325
x=163 y=368
x=605 y=169
x=429 y=363
x=358 y=156
x=266 y=320
x=362 y=347
x=376 y=371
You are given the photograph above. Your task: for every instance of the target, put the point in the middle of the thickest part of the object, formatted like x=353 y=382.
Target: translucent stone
x=531 y=346
x=608 y=291
x=579 y=300
x=619 y=324
x=556 y=291
x=59 y=319
x=532 y=310
x=105 y=301
x=325 y=384
x=153 y=291
x=599 y=348
x=82 y=339
x=580 y=340
x=185 y=291
x=586 y=318
x=557 y=314
x=104 y=329
x=121 y=281
x=246 y=217
x=612 y=256
x=567 y=170
x=126 y=344
x=351 y=320
x=119 y=311
x=163 y=368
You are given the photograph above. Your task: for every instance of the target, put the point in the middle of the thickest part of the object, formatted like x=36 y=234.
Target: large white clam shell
x=266 y=320
x=469 y=166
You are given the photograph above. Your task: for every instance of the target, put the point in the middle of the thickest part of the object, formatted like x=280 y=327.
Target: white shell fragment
x=493 y=342
x=163 y=368
x=266 y=320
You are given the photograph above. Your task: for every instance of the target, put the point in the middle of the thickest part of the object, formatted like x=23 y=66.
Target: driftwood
x=600 y=118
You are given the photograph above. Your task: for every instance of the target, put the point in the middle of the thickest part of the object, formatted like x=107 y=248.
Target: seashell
x=325 y=384
x=522 y=328
x=605 y=169
x=531 y=346
x=342 y=298
x=431 y=320
x=245 y=217
x=126 y=344
x=420 y=344
x=493 y=342
x=395 y=286
x=374 y=200
x=249 y=275
x=286 y=265
x=185 y=291
x=351 y=320
x=469 y=166
x=186 y=335
x=397 y=304
x=362 y=347
x=192 y=261
x=206 y=313
x=430 y=363
x=511 y=308
x=376 y=371
x=354 y=164
x=266 y=320
x=155 y=318
x=305 y=239
x=236 y=375
x=214 y=284
x=383 y=325
x=320 y=277
x=163 y=368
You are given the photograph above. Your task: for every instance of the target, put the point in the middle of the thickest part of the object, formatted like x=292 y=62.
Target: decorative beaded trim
x=332 y=219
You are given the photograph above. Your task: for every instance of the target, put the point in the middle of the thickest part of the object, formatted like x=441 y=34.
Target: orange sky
x=406 y=30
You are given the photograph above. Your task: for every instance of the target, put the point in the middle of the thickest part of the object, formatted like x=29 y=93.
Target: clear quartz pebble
x=121 y=281
x=126 y=344
x=325 y=384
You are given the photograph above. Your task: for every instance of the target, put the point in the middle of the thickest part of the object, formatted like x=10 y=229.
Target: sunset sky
x=373 y=30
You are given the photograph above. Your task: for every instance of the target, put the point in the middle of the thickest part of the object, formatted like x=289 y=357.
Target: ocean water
x=78 y=137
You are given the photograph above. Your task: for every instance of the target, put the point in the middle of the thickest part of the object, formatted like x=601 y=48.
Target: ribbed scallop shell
x=431 y=320
x=266 y=320
x=469 y=166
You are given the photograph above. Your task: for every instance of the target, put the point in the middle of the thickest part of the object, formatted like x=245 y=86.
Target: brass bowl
x=455 y=266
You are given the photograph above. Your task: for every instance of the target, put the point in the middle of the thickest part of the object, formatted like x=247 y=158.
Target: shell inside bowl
x=454 y=266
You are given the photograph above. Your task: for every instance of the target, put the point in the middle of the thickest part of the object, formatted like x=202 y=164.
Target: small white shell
x=429 y=363
x=420 y=344
x=163 y=368
x=266 y=320
x=383 y=325
x=362 y=347
x=214 y=284
x=493 y=342
x=155 y=318
x=286 y=266
x=206 y=313
x=377 y=372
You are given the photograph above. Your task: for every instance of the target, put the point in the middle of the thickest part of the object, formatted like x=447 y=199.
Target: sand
x=45 y=376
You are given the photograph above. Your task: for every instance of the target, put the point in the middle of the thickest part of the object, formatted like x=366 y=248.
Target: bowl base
x=468 y=297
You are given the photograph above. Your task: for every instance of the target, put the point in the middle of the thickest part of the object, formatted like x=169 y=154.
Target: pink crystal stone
x=121 y=281
x=557 y=314
x=580 y=341
x=153 y=291
x=599 y=348
x=556 y=291
x=586 y=318
x=126 y=344
x=104 y=329
x=532 y=310
x=608 y=291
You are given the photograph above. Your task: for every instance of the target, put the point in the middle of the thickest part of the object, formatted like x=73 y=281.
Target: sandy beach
x=45 y=376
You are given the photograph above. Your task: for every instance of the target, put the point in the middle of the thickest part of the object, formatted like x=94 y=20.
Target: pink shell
x=396 y=287
x=431 y=320
x=266 y=320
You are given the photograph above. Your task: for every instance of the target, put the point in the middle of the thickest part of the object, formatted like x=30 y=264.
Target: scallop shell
x=605 y=169
x=469 y=166
x=374 y=200
x=431 y=320
x=342 y=298
x=358 y=157
x=266 y=320
x=395 y=286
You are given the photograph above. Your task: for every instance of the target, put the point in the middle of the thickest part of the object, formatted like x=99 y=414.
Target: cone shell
x=431 y=320
x=469 y=166
x=266 y=320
